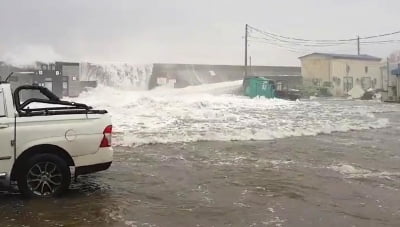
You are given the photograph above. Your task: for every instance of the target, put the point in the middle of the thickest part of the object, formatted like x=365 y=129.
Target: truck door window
x=2 y=105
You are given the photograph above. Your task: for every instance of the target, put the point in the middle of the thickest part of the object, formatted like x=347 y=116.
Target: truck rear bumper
x=82 y=170
x=99 y=161
x=103 y=155
x=4 y=180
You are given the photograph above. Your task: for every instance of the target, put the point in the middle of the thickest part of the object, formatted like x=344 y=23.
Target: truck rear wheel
x=44 y=175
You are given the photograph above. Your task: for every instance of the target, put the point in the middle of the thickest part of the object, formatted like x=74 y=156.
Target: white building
x=340 y=72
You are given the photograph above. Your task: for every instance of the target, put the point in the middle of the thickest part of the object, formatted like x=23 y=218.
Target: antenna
x=8 y=77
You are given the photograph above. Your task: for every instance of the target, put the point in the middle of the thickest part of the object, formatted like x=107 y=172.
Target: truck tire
x=43 y=176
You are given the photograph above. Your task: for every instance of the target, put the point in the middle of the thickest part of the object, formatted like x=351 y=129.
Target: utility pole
x=245 y=50
x=358 y=45
x=388 y=74
x=251 y=70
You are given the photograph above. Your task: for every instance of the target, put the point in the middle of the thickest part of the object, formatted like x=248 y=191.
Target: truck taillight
x=107 y=133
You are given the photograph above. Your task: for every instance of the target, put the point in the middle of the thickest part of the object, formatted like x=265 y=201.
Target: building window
x=347 y=69
x=279 y=86
x=336 y=80
x=366 y=83
x=347 y=83
x=2 y=105
x=316 y=82
x=65 y=85
x=74 y=78
x=327 y=84
x=57 y=73
x=40 y=72
x=48 y=83
x=171 y=83
x=161 y=80
x=374 y=83
x=212 y=73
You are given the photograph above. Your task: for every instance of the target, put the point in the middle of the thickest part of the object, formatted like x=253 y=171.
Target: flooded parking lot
x=341 y=179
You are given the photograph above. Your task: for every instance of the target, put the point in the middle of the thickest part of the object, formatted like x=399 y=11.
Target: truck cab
x=46 y=141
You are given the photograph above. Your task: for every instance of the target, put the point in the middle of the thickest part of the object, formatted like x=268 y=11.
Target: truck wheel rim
x=44 y=178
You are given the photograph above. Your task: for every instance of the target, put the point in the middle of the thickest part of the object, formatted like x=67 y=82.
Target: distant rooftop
x=67 y=63
x=363 y=57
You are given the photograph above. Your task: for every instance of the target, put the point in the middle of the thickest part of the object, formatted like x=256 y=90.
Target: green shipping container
x=259 y=86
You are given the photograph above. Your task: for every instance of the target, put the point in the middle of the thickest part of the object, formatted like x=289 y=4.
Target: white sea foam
x=351 y=171
x=119 y=75
x=211 y=112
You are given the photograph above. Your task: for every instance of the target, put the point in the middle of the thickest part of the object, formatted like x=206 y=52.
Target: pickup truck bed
x=43 y=147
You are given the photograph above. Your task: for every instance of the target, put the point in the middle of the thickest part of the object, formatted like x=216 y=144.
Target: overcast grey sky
x=184 y=31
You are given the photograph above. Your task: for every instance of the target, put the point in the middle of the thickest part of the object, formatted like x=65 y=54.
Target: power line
x=293 y=43
x=296 y=49
x=299 y=43
x=288 y=38
x=382 y=35
x=381 y=41
x=300 y=39
x=288 y=48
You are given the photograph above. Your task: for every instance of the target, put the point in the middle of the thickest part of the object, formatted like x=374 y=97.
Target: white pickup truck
x=44 y=141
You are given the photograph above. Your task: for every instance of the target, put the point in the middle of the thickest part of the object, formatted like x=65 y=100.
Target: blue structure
x=396 y=71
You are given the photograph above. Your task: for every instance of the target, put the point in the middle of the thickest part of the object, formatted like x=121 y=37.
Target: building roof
x=363 y=57
x=67 y=63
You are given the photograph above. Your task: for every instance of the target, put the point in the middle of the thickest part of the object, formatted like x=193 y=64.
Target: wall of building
x=390 y=82
x=336 y=74
x=88 y=84
x=71 y=71
x=63 y=78
x=51 y=80
x=182 y=75
x=364 y=74
x=313 y=69
x=16 y=79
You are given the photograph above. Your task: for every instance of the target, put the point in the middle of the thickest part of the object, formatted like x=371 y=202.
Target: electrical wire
x=291 y=49
x=294 y=40
x=381 y=35
x=380 y=42
x=270 y=34
x=297 y=49
x=300 y=45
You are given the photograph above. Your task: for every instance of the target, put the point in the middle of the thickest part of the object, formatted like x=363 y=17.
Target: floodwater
x=341 y=179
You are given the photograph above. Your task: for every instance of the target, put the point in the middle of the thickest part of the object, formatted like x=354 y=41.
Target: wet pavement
x=340 y=179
